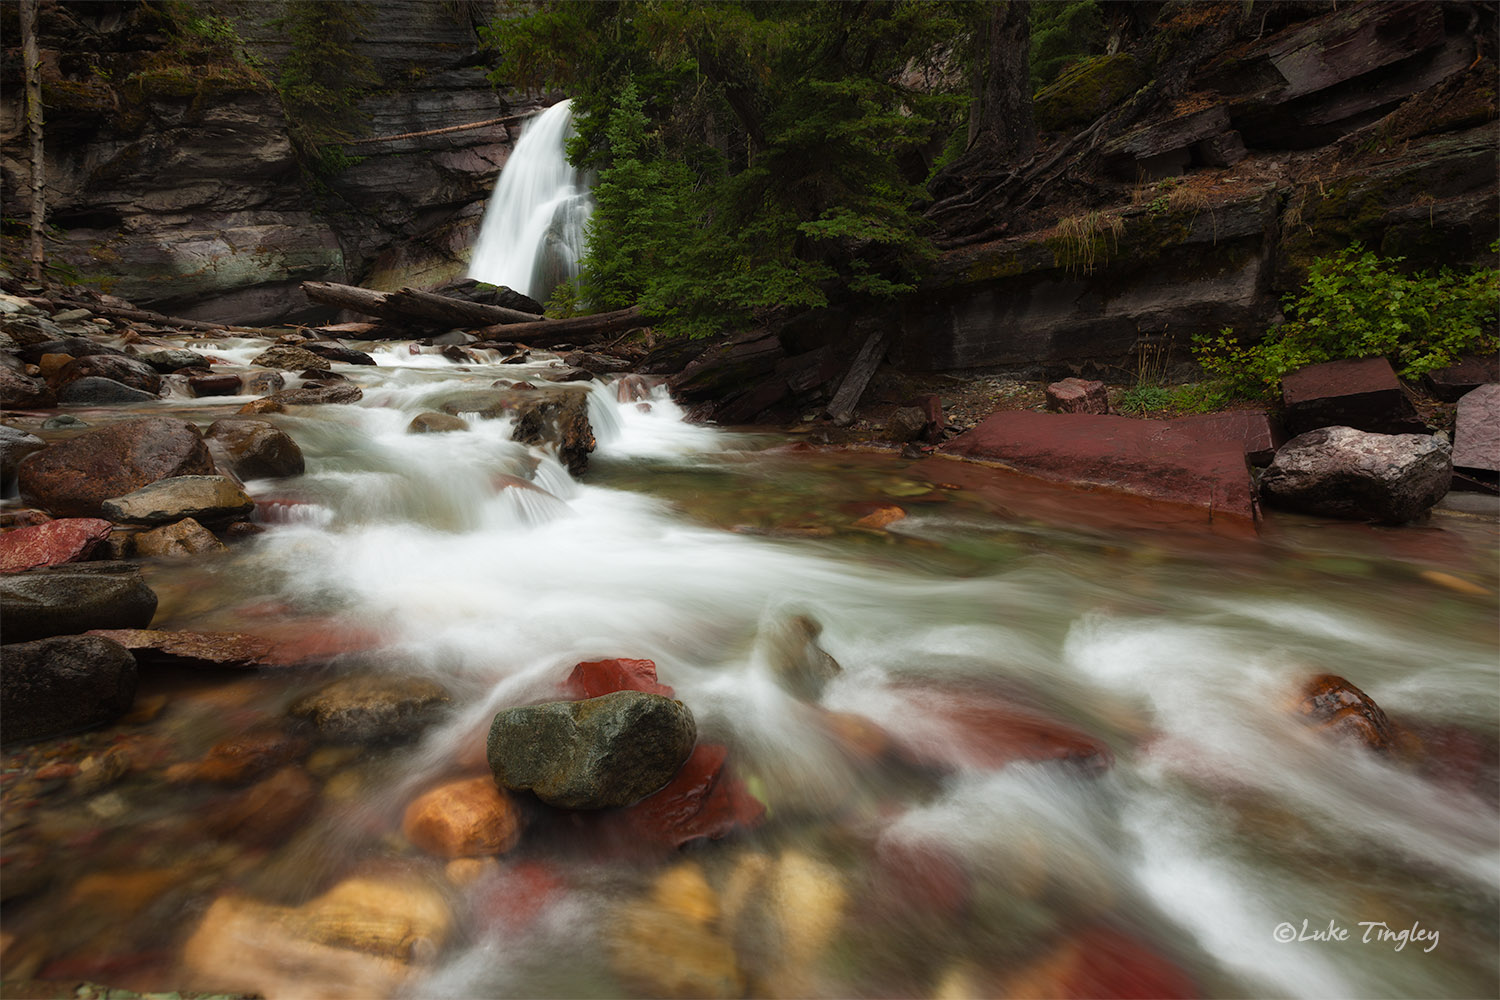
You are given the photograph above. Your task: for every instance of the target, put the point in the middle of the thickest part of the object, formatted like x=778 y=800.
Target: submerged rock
x=220 y=650
x=314 y=394
x=268 y=812
x=372 y=708
x=203 y=498
x=799 y=664
x=73 y=478
x=63 y=684
x=461 y=819
x=435 y=423
x=1346 y=712
x=1348 y=473
x=607 y=751
x=72 y=600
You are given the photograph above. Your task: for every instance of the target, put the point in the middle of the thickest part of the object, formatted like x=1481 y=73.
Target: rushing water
x=1223 y=825
x=532 y=236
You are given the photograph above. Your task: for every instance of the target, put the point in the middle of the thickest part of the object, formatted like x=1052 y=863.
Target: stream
x=1219 y=846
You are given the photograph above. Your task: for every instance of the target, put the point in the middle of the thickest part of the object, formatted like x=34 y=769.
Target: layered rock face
x=180 y=184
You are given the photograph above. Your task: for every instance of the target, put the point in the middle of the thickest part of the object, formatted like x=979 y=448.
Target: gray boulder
x=289 y=359
x=19 y=391
x=94 y=390
x=168 y=361
x=372 y=708
x=14 y=445
x=255 y=449
x=116 y=367
x=74 y=599
x=1347 y=473
x=62 y=685
x=592 y=754
x=204 y=498
x=1476 y=435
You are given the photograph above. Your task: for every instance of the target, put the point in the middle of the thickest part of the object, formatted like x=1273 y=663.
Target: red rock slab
x=705 y=799
x=1463 y=376
x=223 y=650
x=1076 y=395
x=921 y=878
x=1362 y=393
x=69 y=539
x=1476 y=435
x=1102 y=962
x=948 y=729
x=601 y=677
x=1148 y=458
x=1255 y=430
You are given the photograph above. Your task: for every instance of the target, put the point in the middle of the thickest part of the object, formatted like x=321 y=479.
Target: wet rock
x=14 y=445
x=669 y=944
x=226 y=384
x=268 y=812
x=1362 y=393
x=256 y=449
x=881 y=517
x=435 y=423
x=568 y=373
x=1346 y=712
x=202 y=498
x=907 y=424
x=67 y=540
x=316 y=395
x=601 y=677
x=177 y=648
x=70 y=600
x=467 y=818
x=101 y=392
x=920 y=877
x=168 y=361
x=183 y=540
x=607 y=751
x=635 y=388
x=19 y=391
x=1254 y=430
x=1348 y=473
x=1147 y=458
x=785 y=911
x=337 y=352
x=357 y=940
x=51 y=364
x=74 y=477
x=77 y=347
x=288 y=358
x=63 y=684
x=555 y=417
x=595 y=364
x=242 y=758
x=97 y=772
x=457 y=355
x=116 y=367
x=263 y=405
x=261 y=383
x=946 y=729
x=64 y=422
x=799 y=664
x=1076 y=395
x=372 y=708
x=704 y=800
x=1476 y=435
x=1097 y=962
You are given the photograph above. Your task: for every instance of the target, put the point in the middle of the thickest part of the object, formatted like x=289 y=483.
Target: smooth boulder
x=73 y=478
x=203 y=498
x=179 y=540
x=1346 y=473
x=372 y=708
x=95 y=391
x=19 y=391
x=64 y=684
x=71 y=600
x=255 y=449
x=593 y=754
x=15 y=444
x=289 y=359
x=117 y=367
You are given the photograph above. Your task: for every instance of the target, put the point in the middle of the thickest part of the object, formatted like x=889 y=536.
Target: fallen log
x=841 y=408
x=159 y=319
x=411 y=305
x=578 y=329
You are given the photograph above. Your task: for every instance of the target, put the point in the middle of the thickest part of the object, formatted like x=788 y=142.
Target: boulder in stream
x=19 y=391
x=95 y=391
x=288 y=358
x=469 y=818
x=202 y=498
x=73 y=478
x=372 y=708
x=15 y=444
x=118 y=367
x=63 y=684
x=70 y=539
x=72 y=599
x=1347 y=473
x=181 y=540
x=593 y=754
x=255 y=449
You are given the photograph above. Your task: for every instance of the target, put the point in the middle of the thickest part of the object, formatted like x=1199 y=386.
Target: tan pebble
x=683 y=890
x=466 y=871
x=1454 y=583
x=881 y=518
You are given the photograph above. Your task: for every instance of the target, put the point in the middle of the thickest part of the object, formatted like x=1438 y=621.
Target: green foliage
x=322 y=79
x=564 y=303
x=747 y=152
x=1144 y=399
x=1063 y=33
x=1202 y=397
x=1357 y=305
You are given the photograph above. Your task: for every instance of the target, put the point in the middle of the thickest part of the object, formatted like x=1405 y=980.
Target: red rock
x=1147 y=458
x=1102 y=962
x=54 y=771
x=1361 y=393
x=1455 y=758
x=463 y=819
x=600 y=677
x=245 y=757
x=269 y=812
x=1347 y=712
x=224 y=650
x=1464 y=376
x=519 y=894
x=214 y=385
x=67 y=540
x=948 y=729
x=1254 y=430
x=705 y=799
x=73 y=477
x=1476 y=434
x=1076 y=395
x=921 y=878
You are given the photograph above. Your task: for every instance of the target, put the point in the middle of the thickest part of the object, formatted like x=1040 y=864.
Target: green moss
x=77 y=95
x=996 y=267
x=1087 y=90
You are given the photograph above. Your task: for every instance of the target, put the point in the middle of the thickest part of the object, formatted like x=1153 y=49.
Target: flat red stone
x=949 y=729
x=601 y=677
x=705 y=799
x=228 y=650
x=1109 y=963
x=69 y=539
x=1148 y=458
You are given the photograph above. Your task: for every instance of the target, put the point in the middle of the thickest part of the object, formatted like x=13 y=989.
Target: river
x=1220 y=845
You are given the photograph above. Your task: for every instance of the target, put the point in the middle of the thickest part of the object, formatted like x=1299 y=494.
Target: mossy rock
x=1088 y=89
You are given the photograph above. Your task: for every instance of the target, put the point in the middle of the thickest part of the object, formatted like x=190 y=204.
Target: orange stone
x=468 y=818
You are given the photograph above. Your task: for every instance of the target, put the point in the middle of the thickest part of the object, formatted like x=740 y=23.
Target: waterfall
x=532 y=235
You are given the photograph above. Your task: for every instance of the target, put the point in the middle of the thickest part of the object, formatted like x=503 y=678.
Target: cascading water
x=533 y=231
x=920 y=839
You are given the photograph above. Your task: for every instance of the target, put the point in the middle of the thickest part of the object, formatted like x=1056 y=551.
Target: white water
x=1222 y=817
x=533 y=231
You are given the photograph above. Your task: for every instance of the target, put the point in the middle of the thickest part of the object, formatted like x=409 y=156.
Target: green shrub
x=1143 y=399
x=1356 y=305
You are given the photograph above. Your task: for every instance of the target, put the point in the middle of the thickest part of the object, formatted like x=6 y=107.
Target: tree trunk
x=413 y=306
x=579 y=329
x=1000 y=119
x=33 y=69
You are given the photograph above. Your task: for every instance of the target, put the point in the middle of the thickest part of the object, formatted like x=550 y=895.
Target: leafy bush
x=1143 y=398
x=1356 y=305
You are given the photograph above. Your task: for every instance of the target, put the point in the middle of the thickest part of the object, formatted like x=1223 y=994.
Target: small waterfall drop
x=532 y=235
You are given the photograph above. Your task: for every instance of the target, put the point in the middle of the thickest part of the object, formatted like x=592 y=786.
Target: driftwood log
x=579 y=329
x=411 y=305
